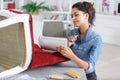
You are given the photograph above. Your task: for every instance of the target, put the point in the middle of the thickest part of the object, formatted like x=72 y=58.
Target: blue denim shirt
x=88 y=48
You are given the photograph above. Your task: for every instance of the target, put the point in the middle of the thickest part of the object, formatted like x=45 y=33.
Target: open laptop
x=54 y=29
x=53 y=35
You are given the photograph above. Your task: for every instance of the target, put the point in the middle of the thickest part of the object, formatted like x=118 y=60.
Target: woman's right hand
x=71 y=40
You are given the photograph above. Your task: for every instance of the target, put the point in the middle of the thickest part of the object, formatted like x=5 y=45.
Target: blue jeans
x=91 y=76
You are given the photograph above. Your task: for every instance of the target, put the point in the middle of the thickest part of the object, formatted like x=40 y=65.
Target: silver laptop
x=54 y=29
x=53 y=35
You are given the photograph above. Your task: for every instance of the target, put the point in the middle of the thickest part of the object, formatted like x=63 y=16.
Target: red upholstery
x=41 y=57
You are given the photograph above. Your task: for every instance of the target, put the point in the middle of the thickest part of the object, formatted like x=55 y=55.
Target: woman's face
x=79 y=17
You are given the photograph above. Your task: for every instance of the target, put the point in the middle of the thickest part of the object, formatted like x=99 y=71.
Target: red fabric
x=41 y=57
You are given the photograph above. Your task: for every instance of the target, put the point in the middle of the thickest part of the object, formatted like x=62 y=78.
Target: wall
x=108 y=27
x=1 y=4
x=19 y=4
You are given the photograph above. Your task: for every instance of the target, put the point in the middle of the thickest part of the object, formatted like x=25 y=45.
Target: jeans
x=91 y=76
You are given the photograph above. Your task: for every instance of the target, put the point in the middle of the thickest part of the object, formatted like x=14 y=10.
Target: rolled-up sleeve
x=94 y=54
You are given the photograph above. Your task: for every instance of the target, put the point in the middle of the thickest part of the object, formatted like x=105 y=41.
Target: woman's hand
x=71 y=40
x=66 y=52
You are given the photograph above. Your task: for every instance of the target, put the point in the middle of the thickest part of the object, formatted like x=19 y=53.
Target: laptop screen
x=53 y=29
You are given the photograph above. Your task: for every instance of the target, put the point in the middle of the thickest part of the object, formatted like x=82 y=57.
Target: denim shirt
x=88 y=48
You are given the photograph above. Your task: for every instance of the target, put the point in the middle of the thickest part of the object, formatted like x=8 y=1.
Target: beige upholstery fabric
x=12 y=45
x=2 y=18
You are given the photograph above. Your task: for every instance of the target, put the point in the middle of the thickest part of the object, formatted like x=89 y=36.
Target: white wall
x=1 y=4
x=19 y=4
x=108 y=27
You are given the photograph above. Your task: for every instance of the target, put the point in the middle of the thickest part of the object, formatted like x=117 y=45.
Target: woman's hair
x=86 y=7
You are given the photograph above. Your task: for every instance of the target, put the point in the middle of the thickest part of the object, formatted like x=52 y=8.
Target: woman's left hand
x=66 y=52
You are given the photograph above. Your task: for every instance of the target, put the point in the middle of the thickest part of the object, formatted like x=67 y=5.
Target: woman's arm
x=94 y=55
x=81 y=63
x=67 y=52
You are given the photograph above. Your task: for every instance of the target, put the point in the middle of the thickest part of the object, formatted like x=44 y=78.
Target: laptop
x=53 y=35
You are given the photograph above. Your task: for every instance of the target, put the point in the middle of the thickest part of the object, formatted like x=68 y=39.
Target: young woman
x=85 y=44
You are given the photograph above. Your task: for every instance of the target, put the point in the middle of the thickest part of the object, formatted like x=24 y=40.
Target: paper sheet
x=52 y=42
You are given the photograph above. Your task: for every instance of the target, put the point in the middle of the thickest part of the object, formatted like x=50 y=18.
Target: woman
x=85 y=45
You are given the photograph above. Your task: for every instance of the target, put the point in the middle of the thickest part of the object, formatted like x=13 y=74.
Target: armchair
x=18 y=51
